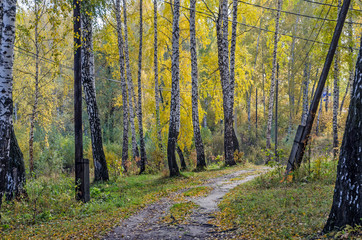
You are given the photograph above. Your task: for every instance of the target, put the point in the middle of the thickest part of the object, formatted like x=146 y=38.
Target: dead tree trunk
x=347 y=199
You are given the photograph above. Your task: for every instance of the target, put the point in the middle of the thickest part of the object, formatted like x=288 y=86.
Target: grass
x=270 y=208
x=52 y=213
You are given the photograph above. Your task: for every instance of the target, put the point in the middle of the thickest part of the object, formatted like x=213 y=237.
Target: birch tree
x=200 y=152
x=131 y=95
x=272 y=83
x=175 y=91
x=123 y=85
x=88 y=81
x=347 y=200
x=155 y=60
x=140 y=124
x=6 y=79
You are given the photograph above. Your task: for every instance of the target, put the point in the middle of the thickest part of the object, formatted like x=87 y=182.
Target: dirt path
x=147 y=225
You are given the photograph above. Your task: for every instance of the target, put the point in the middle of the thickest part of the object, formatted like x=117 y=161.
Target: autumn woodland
x=170 y=119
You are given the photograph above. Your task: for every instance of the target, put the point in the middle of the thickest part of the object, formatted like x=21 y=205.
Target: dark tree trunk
x=172 y=133
x=140 y=124
x=123 y=85
x=88 y=80
x=182 y=158
x=157 y=94
x=200 y=152
x=15 y=174
x=347 y=199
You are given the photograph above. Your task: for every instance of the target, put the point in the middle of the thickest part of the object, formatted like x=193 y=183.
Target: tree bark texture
x=88 y=81
x=200 y=152
x=15 y=174
x=305 y=93
x=140 y=124
x=157 y=91
x=123 y=85
x=335 y=104
x=347 y=200
x=226 y=81
x=36 y=87
x=131 y=94
x=272 y=84
x=6 y=79
x=175 y=69
x=181 y=157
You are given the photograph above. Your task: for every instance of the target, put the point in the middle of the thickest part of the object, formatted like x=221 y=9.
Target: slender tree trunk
x=327 y=98
x=305 y=93
x=318 y=118
x=172 y=133
x=200 y=152
x=131 y=94
x=351 y=72
x=335 y=105
x=88 y=80
x=263 y=77
x=140 y=124
x=36 y=92
x=291 y=76
x=336 y=99
x=6 y=79
x=347 y=200
x=272 y=84
x=157 y=94
x=123 y=85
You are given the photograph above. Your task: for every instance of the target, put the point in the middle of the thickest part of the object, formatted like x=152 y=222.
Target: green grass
x=268 y=208
x=52 y=213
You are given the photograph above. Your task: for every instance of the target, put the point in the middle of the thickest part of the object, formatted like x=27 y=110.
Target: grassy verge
x=52 y=213
x=268 y=208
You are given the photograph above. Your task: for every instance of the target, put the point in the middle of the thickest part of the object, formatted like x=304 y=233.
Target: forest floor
x=186 y=214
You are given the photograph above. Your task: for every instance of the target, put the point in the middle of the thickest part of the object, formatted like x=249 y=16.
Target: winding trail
x=146 y=224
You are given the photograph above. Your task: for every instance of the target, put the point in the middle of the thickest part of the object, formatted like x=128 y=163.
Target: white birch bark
x=272 y=84
x=6 y=80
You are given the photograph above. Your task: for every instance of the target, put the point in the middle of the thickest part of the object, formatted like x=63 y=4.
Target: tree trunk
x=123 y=85
x=182 y=158
x=200 y=152
x=131 y=94
x=305 y=93
x=172 y=133
x=347 y=199
x=318 y=118
x=36 y=92
x=335 y=105
x=272 y=84
x=336 y=100
x=88 y=80
x=15 y=174
x=157 y=94
x=227 y=81
x=6 y=79
x=140 y=124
